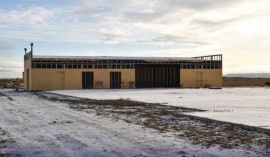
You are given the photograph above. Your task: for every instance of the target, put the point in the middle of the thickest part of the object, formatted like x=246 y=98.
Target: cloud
x=195 y=4
x=6 y=71
x=119 y=21
x=10 y=65
x=12 y=73
x=235 y=28
x=6 y=49
x=164 y=39
x=29 y=16
x=250 y=68
x=10 y=68
x=125 y=21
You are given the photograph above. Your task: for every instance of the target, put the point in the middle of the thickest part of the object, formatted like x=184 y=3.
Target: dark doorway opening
x=115 y=80
x=87 y=80
x=154 y=76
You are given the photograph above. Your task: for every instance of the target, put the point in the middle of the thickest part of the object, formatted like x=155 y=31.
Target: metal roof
x=114 y=58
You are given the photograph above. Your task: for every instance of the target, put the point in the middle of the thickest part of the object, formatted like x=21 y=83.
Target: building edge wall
x=209 y=77
x=27 y=74
x=59 y=79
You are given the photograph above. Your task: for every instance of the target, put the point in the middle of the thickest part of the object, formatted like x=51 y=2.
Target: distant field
x=244 y=82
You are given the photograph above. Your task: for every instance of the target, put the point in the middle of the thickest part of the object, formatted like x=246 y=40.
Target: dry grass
x=10 y=98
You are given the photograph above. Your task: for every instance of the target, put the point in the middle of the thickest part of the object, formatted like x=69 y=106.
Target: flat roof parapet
x=117 y=58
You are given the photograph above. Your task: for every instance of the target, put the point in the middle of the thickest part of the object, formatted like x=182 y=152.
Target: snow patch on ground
x=31 y=126
x=41 y=128
x=248 y=106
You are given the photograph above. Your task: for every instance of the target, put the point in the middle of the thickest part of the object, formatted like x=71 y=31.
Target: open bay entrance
x=87 y=80
x=154 y=76
x=115 y=80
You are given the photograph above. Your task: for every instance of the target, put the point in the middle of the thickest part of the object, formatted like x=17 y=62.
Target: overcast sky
x=238 y=29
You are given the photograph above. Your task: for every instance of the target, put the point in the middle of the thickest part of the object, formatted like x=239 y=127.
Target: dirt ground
x=171 y=119
x=244 y=82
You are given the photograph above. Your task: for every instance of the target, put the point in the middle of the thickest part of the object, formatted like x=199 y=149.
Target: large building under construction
x=90 y=72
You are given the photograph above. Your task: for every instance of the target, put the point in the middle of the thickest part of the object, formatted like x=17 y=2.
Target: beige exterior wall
x=27 y=75
x=54 y=79
x=201 y=77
